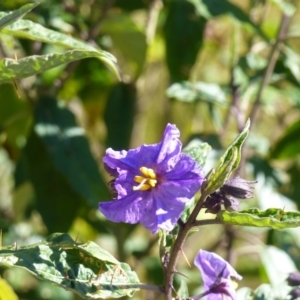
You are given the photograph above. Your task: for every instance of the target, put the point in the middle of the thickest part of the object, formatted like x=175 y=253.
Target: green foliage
x=57 y=148
x=182 y=42
x=33 y=31
x=198 y=151
x=12 y=69
x=289 y=145
x=86 y=268
x=211 y=58
x=129 y=40
x=273 y=217
x=200 y=91
x=228 y=162
x=119 y=115
x=17 y=14
x=215 y=8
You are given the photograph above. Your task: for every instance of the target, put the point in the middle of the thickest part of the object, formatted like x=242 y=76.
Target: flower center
x=147 y=181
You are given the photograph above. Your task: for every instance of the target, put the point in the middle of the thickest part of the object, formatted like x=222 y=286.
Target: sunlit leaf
x=128 y=40
x=36 y=32
x=200 y=91
x=292 y=61
x=85 y=269
x=9 y=18
x=273 y=217
x=238 y=143
x=183 y=290
x=278 y=264
x=228 y=162
x=214 y=8
x=11 y=69
x=287 y=8
x=198 y=151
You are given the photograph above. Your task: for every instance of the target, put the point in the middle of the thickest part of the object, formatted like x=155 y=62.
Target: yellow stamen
x=147 y=181
x=152 y=182
x=139 y=179
x=148 y=172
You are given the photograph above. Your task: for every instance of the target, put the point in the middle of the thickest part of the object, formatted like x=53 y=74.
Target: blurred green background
x=204 y=65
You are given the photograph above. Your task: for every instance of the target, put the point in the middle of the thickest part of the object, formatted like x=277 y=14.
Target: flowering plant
x=176 y=200
x=153 y=183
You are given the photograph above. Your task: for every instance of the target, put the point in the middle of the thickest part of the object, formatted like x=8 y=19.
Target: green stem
x=177 y=247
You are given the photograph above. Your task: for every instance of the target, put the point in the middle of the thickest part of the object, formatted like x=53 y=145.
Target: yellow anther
x=147 y=181
x=138 y=179
x=152 y=182
x=148 y=172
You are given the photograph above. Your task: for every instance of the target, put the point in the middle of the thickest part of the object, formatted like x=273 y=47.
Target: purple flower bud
x=227 y=194
x=238 y=187
x=295 y=294
x=294 y=279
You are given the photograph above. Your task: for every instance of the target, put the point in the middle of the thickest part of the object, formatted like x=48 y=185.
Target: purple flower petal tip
x=152 y=183
x=217 y=275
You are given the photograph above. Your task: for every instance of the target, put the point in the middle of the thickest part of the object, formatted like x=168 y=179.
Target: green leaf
x=128 y=40
x=69 y=150
x=214 y=8
x=119 y=115
x=182 y=42
x=200 y=91
x=36 y=32
x=228 y=162
x=85 y=269
x=287 y=8
x=217 y=177
x=15 y=15
x=11 y=69
x=198 y=151
x=288 y=145
x=183 y=291
x=237 y=143
x=278 y=264
x=55 y=198
x=57 y=149
x=275 y=218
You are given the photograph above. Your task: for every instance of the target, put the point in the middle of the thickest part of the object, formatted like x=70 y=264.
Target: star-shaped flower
x=153 y=183
x=217 y=275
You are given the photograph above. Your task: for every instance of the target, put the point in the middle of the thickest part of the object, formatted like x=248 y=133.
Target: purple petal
x=117 y=161
x=187 y=174
x=169 y=207
x=124 y=184
x=169 y=149
x=179 y=178
x=127 y=209
x=161 y=156
x=216 y=275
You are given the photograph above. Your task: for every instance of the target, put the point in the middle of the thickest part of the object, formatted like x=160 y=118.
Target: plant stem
x=265 y=81
x=182 y=235
x=274 y=54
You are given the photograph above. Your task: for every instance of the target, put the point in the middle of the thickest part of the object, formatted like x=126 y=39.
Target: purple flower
x=226 y=195
x=216 y=274
x=153 y=183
